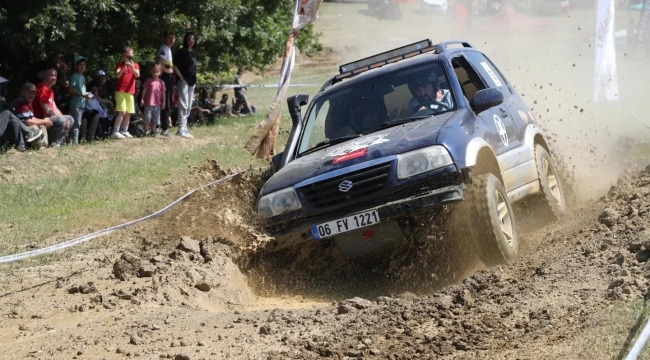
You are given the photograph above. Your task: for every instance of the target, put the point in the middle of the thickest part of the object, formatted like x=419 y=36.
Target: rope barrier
x=83 y=239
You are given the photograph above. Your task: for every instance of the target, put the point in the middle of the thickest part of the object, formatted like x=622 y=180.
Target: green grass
x=110 y=183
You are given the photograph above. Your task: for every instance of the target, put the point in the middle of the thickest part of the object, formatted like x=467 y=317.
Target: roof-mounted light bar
x=386 y=57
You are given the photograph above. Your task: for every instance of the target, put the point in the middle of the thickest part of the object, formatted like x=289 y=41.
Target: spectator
x=61 y=96
x=23 y=110
x=186 y=70
x=153 y=100
x=224 y=108
x=104 y=93
x=164 y=58
x=15 y=132
x=45 y=107
x=242 y=104
x=127 y=71
x=77 y=89
x=96 y=114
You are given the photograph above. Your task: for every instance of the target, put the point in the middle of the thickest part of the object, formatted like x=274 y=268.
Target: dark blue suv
x=399 y=134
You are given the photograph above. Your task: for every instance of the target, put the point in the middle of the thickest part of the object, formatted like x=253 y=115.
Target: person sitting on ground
x=15 y=132
x=223 y=107
x=104 y=91
x=45 y=107
x=24 y=111
x=97 y=115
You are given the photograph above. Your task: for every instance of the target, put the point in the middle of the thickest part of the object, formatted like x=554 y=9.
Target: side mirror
x=485 y=99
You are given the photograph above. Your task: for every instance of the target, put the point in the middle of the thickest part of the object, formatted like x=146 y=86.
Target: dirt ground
x=196 y=283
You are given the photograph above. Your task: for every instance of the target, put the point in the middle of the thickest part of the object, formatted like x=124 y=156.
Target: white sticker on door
x=501 y=129
x=493 y=76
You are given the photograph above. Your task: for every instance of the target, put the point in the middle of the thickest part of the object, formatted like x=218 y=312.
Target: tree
x=242 y=33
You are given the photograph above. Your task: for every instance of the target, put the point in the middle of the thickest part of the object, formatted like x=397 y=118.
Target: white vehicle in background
x=433 y=6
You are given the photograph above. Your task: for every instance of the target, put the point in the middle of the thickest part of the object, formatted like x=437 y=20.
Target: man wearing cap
x=23 y=110
x=77 y=90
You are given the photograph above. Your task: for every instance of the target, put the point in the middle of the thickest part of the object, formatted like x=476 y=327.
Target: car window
x=487 y=71
x=366 y=105
x=315 y=126
x=470 y=81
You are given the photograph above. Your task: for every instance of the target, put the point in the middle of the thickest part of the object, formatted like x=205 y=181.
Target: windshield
x=367 y=106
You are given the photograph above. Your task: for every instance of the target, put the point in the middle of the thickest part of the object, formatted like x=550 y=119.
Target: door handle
x=504 y=113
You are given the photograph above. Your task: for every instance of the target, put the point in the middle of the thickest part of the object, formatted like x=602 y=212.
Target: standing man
x=164 y=58
x=127 y=71
x=45 y=107
x=240 y=94
x=185 y=69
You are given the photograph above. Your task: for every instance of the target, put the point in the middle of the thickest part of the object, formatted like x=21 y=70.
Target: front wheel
x=491 y=222
x=553 y=201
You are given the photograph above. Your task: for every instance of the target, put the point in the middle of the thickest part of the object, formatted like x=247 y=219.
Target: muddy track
x=216 y=293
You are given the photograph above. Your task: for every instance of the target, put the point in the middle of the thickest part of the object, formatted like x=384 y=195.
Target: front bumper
x=300 y=231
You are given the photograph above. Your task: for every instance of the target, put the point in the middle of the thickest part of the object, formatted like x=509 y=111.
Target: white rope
x=77 y=241
x=639 y=343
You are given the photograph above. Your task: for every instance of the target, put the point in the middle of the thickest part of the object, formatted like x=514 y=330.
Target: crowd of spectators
x=58 y=105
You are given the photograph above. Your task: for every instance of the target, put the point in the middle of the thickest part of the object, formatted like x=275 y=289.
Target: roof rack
x=389 y=57
x=379 y=60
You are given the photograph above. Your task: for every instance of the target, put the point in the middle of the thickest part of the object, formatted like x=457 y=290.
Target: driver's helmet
x=421 y=79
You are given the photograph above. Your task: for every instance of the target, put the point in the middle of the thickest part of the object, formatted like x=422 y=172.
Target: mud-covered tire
x=490 y=221
x=552 y=202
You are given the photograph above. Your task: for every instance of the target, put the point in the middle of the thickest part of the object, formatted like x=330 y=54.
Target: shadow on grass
x=628 y=341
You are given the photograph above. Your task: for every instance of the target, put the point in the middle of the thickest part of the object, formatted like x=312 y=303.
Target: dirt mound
x=225 y=210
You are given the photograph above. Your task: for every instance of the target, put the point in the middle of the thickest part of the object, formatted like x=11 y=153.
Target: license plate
x=346 y=224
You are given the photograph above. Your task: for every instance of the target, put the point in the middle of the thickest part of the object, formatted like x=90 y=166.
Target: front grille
x=365 y=182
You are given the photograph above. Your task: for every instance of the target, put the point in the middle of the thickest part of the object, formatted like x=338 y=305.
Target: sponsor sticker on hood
x=357 y=144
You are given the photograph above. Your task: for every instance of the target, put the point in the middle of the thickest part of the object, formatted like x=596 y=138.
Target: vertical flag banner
x=262 y=142
x=605 y=76
x=642 y=30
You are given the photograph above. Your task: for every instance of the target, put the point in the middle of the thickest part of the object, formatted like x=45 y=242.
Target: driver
x=428 y=95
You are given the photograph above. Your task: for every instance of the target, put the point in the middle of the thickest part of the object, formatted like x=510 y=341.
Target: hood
x=392 y=141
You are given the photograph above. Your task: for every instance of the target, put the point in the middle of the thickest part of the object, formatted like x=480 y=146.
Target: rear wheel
x=553 y=202
x=490 y=221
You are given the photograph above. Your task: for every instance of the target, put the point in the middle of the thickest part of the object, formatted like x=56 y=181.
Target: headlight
x=423 y=160
x=279 y=202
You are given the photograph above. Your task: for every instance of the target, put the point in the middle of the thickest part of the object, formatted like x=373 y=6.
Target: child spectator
x=97 y=114
x=45 y=107
x=77 y=90
x=153 y=100
x=126 y=72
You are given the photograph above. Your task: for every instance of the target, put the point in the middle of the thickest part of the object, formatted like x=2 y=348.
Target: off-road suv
x=401 y=133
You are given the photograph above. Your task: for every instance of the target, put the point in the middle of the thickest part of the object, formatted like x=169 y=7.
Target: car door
x=492 y=77
x=498 y=129
x=518 y=165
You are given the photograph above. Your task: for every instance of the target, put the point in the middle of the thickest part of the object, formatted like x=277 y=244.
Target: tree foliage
x=231 y=33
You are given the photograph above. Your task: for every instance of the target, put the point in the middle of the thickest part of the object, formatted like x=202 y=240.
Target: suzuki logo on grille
x=345 y=185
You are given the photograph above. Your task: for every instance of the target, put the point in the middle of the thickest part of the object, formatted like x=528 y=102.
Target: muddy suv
x=399 y=134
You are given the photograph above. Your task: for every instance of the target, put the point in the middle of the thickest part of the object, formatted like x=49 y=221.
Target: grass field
x=86 y=188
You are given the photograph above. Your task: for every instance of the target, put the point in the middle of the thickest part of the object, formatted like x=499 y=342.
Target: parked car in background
x=433 y=6
x=385 y=9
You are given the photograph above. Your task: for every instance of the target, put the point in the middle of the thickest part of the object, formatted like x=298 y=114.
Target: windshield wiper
x=388 y=124
x=329 y=142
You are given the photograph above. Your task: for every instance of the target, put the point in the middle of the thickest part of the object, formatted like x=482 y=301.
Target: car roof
x=403 y=64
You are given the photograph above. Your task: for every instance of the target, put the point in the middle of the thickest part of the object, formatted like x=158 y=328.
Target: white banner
x=605 y=77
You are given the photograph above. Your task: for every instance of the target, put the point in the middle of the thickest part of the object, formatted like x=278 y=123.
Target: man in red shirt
x=127 y=71
x=45 y=107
